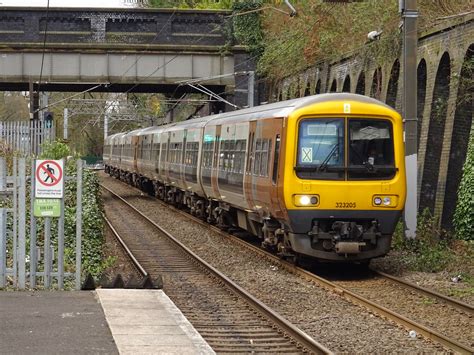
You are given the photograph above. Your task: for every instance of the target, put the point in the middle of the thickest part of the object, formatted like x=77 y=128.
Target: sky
x=71 y=3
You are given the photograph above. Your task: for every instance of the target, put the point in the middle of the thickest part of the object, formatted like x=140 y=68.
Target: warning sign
x=49 y=180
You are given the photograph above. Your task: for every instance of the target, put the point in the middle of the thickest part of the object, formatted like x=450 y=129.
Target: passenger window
x=276 y=158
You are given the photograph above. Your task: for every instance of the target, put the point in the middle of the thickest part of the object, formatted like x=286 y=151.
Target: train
x=321 y=176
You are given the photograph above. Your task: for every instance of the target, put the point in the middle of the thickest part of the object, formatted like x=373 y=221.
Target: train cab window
x=371 y=154
x=321 y=149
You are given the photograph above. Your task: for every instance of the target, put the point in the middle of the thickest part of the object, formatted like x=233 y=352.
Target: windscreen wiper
x=325 y=162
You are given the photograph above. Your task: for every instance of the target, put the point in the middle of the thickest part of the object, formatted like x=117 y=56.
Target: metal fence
x=26 y=137
x=32 y=250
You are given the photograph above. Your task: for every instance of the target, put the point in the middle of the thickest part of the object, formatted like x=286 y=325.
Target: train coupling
x=349 y=247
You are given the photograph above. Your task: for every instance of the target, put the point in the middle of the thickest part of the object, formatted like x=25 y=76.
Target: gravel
x=330 y=319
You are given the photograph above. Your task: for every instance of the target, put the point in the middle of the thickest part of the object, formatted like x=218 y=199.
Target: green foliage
x=464 y=214
x=328 y=31
x=92 y=222
x=247 y=25
x=430 y=251
x=191 y=4
x=54 y=150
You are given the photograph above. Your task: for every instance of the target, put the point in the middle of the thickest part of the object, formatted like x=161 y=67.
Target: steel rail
x=446 y=299
x=353 y=297
x=128 y=252
x=297 y=334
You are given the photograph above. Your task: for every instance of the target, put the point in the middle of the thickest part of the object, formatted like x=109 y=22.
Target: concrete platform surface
x=148 y=322
x=56 y=322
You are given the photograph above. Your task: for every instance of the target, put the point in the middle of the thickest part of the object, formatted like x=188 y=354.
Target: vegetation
x=464 y=214
x=433 y=249
x=92 y=222
x=191 y=4
x=14 y=107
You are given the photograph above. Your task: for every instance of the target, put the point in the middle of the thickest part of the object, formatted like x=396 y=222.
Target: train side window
x=257 y=154
x=156 y=151
x=276 y=158
x=216 y=151
x=250 y=155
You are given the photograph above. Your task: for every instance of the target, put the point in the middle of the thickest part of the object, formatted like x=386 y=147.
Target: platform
x=106 y=321
x=148 y=322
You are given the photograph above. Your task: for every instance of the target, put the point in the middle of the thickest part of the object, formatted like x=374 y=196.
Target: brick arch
x=360 y=87
x=460 y=138
x=333 y=86
x=318 y=87
x=347 y=84
x=421 y=96
x=376 y=88
x=393 y=84
x=434 y=144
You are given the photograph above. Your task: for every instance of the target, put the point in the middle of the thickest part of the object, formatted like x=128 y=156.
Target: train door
x=215 y=162
x=248 y=165
x=264 y=190
x=207 y=158
x=136 y=148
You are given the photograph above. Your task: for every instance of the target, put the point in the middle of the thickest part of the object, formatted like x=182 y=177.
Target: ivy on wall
x=464 y=214
x=247 y=26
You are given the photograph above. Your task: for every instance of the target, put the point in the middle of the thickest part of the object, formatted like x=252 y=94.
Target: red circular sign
x=45 y=167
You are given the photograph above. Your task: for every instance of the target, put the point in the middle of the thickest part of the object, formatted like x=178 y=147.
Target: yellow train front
x=344 y=178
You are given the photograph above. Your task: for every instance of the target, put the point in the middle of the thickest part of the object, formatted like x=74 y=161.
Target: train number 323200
x=345 y=204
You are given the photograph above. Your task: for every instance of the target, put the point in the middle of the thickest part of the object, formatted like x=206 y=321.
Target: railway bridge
x=444 y=67
x=124 y=50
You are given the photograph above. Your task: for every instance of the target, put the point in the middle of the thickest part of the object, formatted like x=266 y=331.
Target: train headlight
x=306 y=200
x=385 y=201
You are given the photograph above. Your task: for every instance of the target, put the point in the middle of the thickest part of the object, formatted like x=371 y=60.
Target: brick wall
x=444 y=123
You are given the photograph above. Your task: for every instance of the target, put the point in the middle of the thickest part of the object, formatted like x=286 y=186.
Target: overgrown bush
x=92 y=222
x=430 y=251
x=464 y=214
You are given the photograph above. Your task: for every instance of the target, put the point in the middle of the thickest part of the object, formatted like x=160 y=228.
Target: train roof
x=284 y=108
x=275 y=109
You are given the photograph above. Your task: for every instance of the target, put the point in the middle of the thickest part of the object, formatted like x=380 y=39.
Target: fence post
x=21 y=224
x=79 y=225
x=61 y=240
x=47 y=252
x=15 y=220
x=33 y=251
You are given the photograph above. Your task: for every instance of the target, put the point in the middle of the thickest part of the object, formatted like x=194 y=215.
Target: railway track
x=230 y=319
x=456 y=341
x=368 y=292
